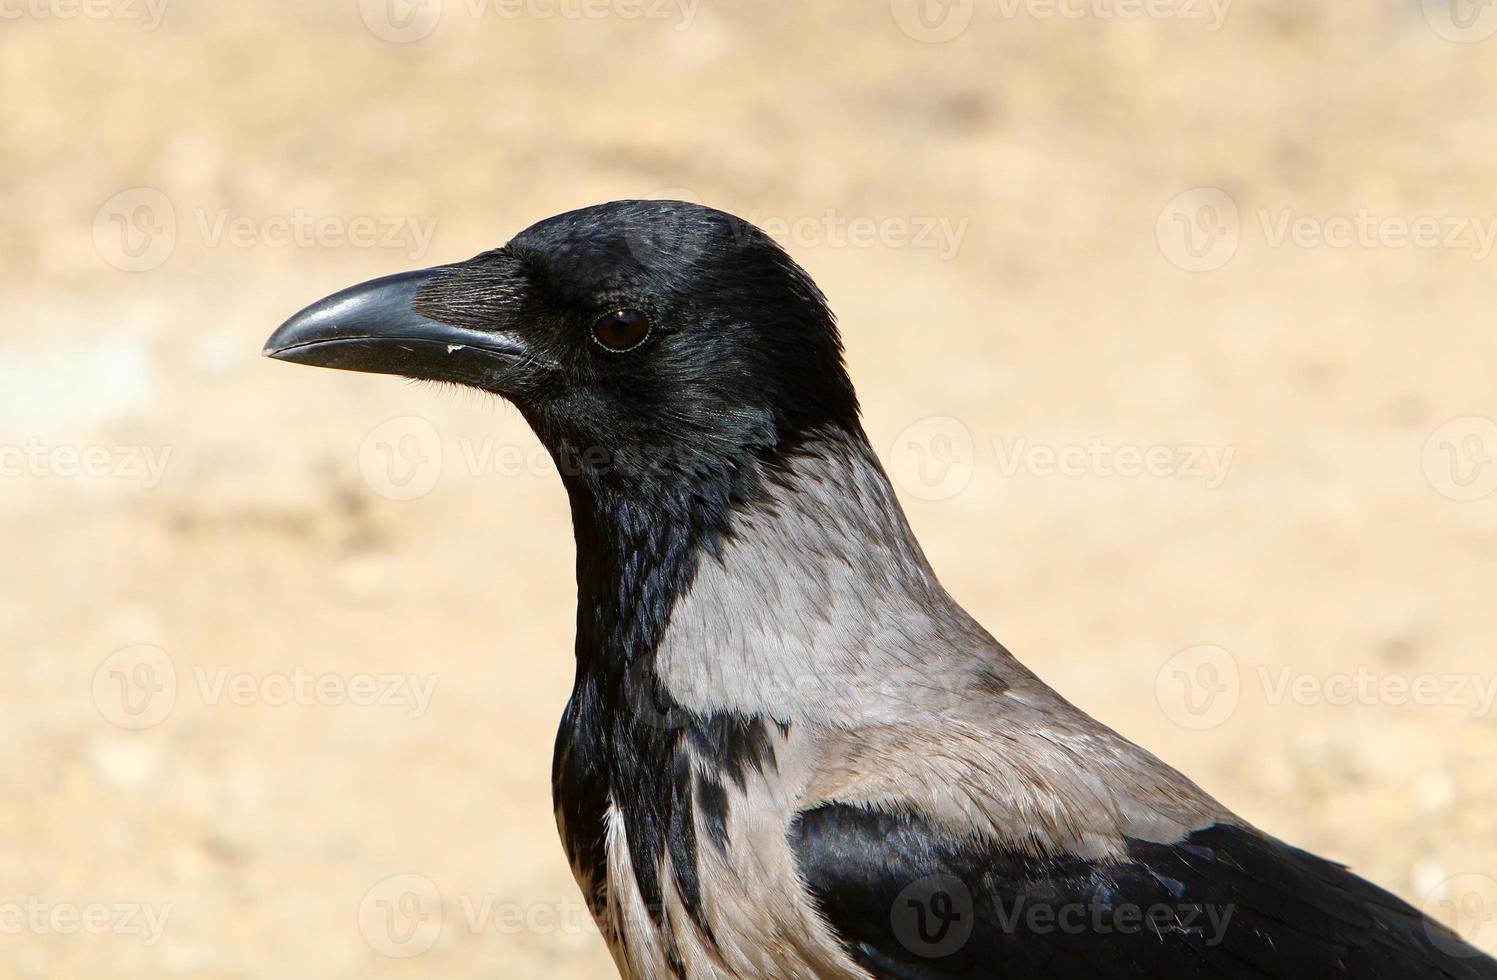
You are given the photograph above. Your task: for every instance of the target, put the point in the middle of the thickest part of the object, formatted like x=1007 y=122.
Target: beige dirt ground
x=272 y=570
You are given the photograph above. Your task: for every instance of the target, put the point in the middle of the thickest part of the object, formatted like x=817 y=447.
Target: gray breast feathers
x=820 y=620
x=821 y=611
x=754 y=916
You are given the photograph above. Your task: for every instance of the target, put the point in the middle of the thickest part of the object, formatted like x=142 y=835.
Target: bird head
x=644 y=341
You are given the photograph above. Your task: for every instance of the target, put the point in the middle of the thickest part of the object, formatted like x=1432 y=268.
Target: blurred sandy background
x=1044 y=235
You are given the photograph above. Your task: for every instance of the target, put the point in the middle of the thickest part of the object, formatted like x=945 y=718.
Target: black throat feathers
x=624 y=741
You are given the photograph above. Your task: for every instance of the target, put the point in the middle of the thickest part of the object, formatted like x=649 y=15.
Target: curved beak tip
x=381 y=309
x=374 y=327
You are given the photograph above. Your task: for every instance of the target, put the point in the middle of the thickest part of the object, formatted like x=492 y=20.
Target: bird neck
x=685 y=594
x=790 y=558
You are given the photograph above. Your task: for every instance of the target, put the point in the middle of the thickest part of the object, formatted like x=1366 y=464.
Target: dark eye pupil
x=621 y=329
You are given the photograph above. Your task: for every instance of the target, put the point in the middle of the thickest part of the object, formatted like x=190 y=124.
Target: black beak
x=374 y=327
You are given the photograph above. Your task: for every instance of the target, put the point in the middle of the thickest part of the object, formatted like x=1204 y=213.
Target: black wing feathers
x=910 y=900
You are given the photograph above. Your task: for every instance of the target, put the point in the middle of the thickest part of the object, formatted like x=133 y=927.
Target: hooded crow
x=789 y=752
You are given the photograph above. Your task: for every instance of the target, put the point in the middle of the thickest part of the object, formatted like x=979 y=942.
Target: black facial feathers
x=743 y=355
x=658 y=444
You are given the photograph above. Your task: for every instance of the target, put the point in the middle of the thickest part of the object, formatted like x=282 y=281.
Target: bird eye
x=621 y=330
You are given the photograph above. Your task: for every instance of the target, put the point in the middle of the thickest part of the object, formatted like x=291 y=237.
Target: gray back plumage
x=820 y=612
